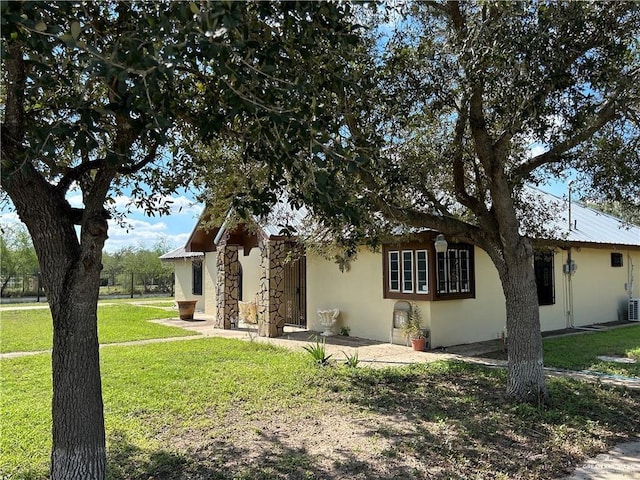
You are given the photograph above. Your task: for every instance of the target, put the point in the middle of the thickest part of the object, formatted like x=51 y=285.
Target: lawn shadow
x=268 y=459
x=458 y=411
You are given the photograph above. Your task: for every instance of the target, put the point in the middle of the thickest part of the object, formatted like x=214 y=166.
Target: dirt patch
x=411 y=425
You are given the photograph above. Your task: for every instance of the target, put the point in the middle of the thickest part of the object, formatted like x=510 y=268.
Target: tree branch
x=604 y=115
x=13 y=129
x=148 y=158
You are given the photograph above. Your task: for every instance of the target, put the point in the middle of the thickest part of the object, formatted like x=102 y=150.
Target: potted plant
x=413 y=330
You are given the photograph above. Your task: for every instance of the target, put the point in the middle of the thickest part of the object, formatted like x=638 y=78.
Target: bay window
x=414 y=271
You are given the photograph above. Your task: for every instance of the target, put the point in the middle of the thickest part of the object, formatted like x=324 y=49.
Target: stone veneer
x=271 y=306
x=227 y=283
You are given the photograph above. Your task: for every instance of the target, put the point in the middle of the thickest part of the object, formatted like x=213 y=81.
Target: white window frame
x=397 y=272
x=426 y=272
x=404 y=270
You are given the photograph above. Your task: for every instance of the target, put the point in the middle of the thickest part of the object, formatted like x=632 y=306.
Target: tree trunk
x=525 y=379
x=78 y=420
x=71 y=279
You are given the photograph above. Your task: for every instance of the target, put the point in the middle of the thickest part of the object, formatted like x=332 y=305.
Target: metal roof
x=587 y=225
x=179 y=253
x=282 y=216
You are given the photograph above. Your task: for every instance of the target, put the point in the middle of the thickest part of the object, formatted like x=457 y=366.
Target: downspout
x=631 y=279
x=569 y=291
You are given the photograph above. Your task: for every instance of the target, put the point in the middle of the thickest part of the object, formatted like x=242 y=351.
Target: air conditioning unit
x=634 y=309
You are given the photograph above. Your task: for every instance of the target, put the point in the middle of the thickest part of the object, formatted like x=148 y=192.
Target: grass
x=31 y=330
x=226 y=409
x=580 y=352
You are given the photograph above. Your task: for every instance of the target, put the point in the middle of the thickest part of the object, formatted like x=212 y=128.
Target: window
x=543 y=267
x=394 y=271
x=407 y=271
x=616 y=259
x=412 y=270
x=454 y=271
x=196 y=270
x=422 y=271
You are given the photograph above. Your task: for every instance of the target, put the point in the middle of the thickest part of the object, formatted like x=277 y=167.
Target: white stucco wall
x=598 y=292
x=184 y=282
x=598 y=288
x=598 y=296
x=471 y=319
x=250 y=274
x=357 y=293
x=209 y=282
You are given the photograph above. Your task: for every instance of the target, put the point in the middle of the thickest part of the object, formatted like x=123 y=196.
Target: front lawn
x=580 y=352
x=225 y=409
x=31 y=330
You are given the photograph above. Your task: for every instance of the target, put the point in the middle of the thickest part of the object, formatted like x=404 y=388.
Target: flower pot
x=186 y=309
x=419 y=344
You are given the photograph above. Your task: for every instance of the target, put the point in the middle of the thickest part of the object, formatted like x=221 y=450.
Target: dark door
x=295 y=292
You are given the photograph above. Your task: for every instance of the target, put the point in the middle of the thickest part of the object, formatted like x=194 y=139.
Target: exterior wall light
x=440 y=244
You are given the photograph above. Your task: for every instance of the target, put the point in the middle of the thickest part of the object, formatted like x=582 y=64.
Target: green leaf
x=75 y=30
x=194 y=8
x=41 y=26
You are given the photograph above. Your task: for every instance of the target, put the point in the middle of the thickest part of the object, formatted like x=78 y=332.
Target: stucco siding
x=598 y=288
x=250 y=274
x=594 y=293
x=184 y=283
x=209 y=282
x=356 y=292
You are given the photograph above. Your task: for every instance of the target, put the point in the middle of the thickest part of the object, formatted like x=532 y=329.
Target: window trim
x=431 y=281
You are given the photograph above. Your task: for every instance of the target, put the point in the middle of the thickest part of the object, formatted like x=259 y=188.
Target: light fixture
x=441 y=244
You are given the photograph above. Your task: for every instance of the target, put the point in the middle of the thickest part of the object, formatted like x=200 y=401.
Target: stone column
x=227 y=283
x=271 y=308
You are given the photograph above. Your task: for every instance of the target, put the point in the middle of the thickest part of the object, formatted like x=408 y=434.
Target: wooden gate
x=295 y=292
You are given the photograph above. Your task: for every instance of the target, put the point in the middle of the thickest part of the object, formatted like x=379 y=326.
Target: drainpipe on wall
x=631 y=279
x=568 y=291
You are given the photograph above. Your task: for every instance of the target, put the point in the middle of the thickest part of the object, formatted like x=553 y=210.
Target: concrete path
x=620 y=463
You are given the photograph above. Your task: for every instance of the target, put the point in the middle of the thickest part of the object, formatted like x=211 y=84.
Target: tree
x=95 y=94
x=112 y=265
x=17 y=256
x=146 y=264
x=463 y=92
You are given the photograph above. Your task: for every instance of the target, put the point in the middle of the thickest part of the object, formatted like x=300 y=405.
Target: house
x=584 y=270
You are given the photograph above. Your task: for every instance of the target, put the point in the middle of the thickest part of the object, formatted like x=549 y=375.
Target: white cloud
x=140 y=233
x=178 y=205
